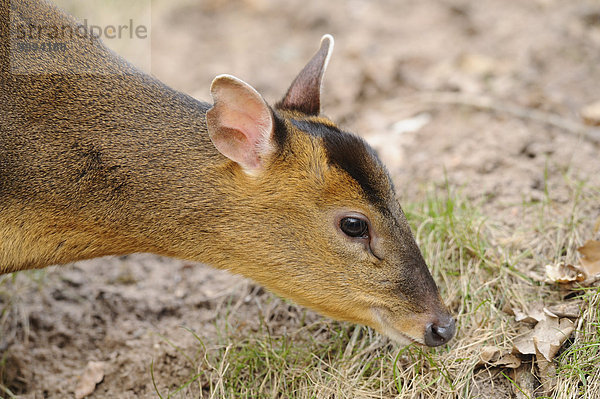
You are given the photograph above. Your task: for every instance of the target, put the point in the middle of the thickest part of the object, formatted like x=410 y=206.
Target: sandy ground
x=414 y=78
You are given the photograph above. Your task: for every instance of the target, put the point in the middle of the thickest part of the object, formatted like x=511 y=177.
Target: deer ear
x=304 y=94
x=240 y=123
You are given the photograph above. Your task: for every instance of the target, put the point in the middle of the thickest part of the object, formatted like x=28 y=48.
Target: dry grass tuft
x=484 y=268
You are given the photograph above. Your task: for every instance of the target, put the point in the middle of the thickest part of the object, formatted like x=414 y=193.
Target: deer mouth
x=386 y=327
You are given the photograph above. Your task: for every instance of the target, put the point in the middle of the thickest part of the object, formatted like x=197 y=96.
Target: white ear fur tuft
x=328 y=40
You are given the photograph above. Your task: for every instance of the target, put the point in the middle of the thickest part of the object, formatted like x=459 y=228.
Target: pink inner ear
x=242 y=136
x=240 y=123
x=234 y=145
x=249 y=118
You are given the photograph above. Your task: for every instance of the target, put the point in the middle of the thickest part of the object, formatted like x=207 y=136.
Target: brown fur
x=110 y=163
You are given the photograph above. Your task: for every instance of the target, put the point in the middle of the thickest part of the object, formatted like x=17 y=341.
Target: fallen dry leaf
x=550 y=334
x=489 y=354
x=494 y=356
x=563 y=273
x=509 y=361
x=546 y=338
x=590 y=261
x=92 y=375
x=546 y=371
x=591 y=114
x=411 y=125
x=572 y=310
x=524 y=344
x=533 y=316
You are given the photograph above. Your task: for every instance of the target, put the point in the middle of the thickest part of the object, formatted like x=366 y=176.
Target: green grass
x=578 y=364
x=482 y=267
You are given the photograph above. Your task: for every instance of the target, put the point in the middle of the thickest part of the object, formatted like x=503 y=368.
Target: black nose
x=437 y=334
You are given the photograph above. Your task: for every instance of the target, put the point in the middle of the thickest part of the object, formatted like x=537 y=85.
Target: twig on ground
x=490 y=104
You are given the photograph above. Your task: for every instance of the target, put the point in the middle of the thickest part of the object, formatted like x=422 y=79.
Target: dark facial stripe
x=353 y=155
x=279 y=130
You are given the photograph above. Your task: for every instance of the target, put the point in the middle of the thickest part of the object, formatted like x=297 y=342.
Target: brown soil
x=393 y=60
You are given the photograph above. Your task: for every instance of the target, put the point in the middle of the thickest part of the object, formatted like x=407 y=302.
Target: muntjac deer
x=98 y=158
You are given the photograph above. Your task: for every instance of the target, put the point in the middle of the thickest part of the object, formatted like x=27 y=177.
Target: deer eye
x=354 y=227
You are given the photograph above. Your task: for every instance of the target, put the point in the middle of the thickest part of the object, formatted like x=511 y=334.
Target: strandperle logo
x=51 y=45
x=40 y=32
